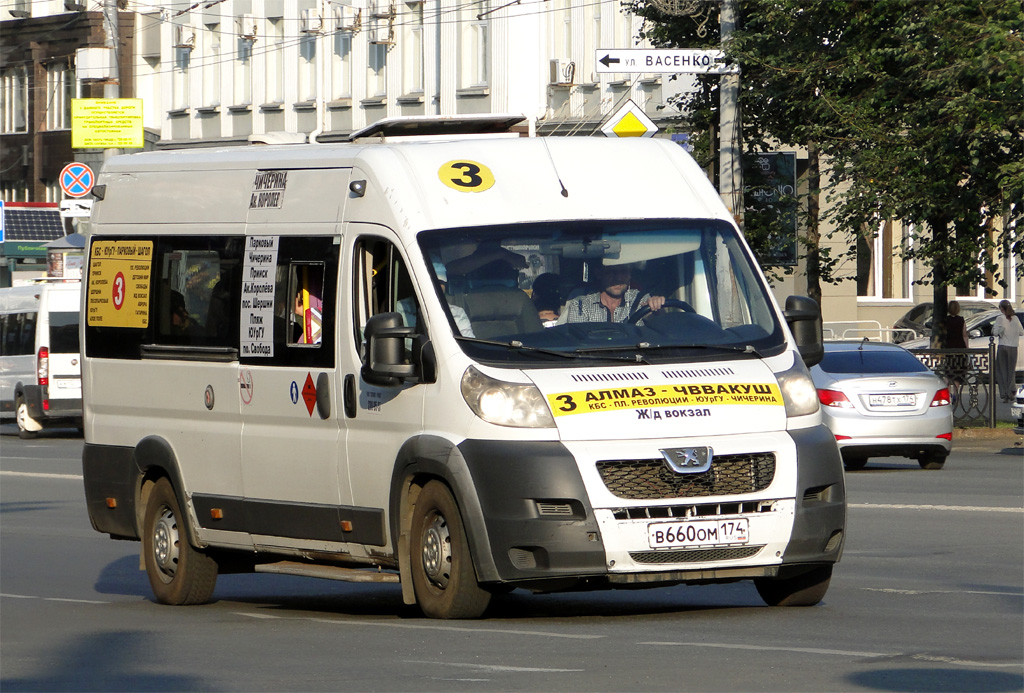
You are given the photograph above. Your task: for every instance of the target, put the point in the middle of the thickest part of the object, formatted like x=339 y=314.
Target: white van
x=328 y=361
x=40 y=365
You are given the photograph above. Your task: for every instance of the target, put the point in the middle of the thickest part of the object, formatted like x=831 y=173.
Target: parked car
x=880 y=401
x=919 y=318
x=979 y=330
x=1017 y=411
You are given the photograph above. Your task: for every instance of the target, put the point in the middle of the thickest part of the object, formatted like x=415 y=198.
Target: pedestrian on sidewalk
x=1007 y=331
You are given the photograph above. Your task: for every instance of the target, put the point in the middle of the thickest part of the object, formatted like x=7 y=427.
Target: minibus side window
x=305 y=304
x=192 y=295
x=28 y=333
x=382 y=285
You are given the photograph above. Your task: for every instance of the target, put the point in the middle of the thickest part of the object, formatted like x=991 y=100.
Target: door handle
x=350 y=396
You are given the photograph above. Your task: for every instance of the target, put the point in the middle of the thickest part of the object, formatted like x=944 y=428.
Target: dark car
x=919 y=318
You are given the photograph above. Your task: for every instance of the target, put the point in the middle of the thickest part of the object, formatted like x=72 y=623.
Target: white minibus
x=40 y=365
x=461 y=364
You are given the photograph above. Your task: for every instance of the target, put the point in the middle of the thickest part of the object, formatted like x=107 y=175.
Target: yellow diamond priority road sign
x=629 y=121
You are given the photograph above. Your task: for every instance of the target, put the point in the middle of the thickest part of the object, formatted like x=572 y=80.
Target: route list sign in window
x=106 y=124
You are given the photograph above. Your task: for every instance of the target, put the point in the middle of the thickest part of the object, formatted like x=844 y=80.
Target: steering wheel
x=645 y=310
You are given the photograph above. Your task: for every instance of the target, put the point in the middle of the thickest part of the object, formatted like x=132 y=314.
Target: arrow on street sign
x=668 y=61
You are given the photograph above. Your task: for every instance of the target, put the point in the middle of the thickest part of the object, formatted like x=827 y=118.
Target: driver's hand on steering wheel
x=656 y=302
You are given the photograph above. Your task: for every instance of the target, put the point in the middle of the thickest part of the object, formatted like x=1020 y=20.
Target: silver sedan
x=879 y=401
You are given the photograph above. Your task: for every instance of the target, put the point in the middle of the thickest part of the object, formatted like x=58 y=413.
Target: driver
x=615 y=302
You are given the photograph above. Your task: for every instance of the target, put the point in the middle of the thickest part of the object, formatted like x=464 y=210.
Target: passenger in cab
x=615 y=302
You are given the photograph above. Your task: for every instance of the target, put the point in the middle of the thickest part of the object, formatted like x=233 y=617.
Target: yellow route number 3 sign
x=466 y=176
x=119 y=281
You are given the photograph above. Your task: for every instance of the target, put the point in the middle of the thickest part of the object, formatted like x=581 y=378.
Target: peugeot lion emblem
x=688 y=460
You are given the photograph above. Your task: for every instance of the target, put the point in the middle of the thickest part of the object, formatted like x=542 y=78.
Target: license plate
x=892 y=400
x=664 y=535
x=68 y=384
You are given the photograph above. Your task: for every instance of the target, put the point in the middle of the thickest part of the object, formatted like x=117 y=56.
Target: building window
x=211 y=65
x=307 y=67
x=377 y=74
x=15 y=100
x=341 y=66
x=243 y=71
x=275 y=61
x=882 y=271
x=475 y=48
x=179 y=77
x=60 y=90
x=412 y=50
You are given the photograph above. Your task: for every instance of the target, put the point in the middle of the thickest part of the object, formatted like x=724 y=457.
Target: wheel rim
x=437 y=551
x=22 y=415
x=165 y=544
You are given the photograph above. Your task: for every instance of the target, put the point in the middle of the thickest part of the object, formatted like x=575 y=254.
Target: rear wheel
x=178 y=573
x=27 y=426
x=931 y=461
x=805 y=589
x=442 y=569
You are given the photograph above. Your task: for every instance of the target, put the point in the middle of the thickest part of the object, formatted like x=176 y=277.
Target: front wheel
x=27 y=426
x=805 y=589
x=442 y=569
x=178 y=573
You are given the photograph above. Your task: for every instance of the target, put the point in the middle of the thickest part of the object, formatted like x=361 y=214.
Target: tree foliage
x=916 y=106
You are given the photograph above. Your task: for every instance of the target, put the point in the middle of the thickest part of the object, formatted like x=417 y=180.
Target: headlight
x=505 y=404
x=798 y=391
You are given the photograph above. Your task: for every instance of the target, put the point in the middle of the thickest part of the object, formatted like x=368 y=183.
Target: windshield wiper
x=516 y=345
x=647 y=346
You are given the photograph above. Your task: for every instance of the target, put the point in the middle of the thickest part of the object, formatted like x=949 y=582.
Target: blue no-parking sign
x=76 y=180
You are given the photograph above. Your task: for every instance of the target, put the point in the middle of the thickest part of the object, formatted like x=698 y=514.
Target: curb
x=985 y=433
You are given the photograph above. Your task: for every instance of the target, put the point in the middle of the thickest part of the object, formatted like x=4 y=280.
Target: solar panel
x=32 y=224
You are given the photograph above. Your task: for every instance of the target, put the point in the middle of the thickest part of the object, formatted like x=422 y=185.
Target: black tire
x=21 y=415
x=178 y=573
x=853 y=464
x=805 y=589
x=931 y=461
x=443 y=576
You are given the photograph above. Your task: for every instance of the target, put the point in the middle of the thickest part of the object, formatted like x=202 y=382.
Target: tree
x=917 y=108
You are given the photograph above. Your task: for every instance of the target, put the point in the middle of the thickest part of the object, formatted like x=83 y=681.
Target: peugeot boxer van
x=326 y=360
x=40 y=365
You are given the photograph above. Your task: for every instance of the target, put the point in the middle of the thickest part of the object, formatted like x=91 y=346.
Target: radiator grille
x=652 y=479
x=694 y=555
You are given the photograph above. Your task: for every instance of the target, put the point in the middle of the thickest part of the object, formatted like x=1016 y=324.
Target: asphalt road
x=929 y=596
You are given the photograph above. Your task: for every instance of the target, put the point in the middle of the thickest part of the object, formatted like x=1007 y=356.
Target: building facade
x=227 y=72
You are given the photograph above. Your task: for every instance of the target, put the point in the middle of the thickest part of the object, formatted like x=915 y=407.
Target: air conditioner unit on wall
x=562 y=71
x=184 y=36
x=310 y=22
x=347 y=19
x=382 y=8
x=381 y=33
x=246 y=24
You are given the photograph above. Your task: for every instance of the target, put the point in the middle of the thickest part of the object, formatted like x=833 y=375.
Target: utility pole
x=730 y=170
x=112 y=86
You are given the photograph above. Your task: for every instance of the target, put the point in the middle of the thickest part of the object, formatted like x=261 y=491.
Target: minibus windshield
x=646 y=290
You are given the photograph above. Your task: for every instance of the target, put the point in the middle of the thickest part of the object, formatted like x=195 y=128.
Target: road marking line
x=496 y=667
x=415 y=626
x=52 y=599
x=960 y=508
x=806 y=650
x=841 y=653
x=915 y=592
x=42 y=475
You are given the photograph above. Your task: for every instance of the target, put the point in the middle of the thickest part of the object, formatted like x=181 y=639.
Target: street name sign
x=672 y=61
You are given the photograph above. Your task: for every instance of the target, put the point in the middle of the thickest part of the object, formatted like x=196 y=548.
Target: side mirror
x=804 y=319
x=974 y=334
x=385 y=360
